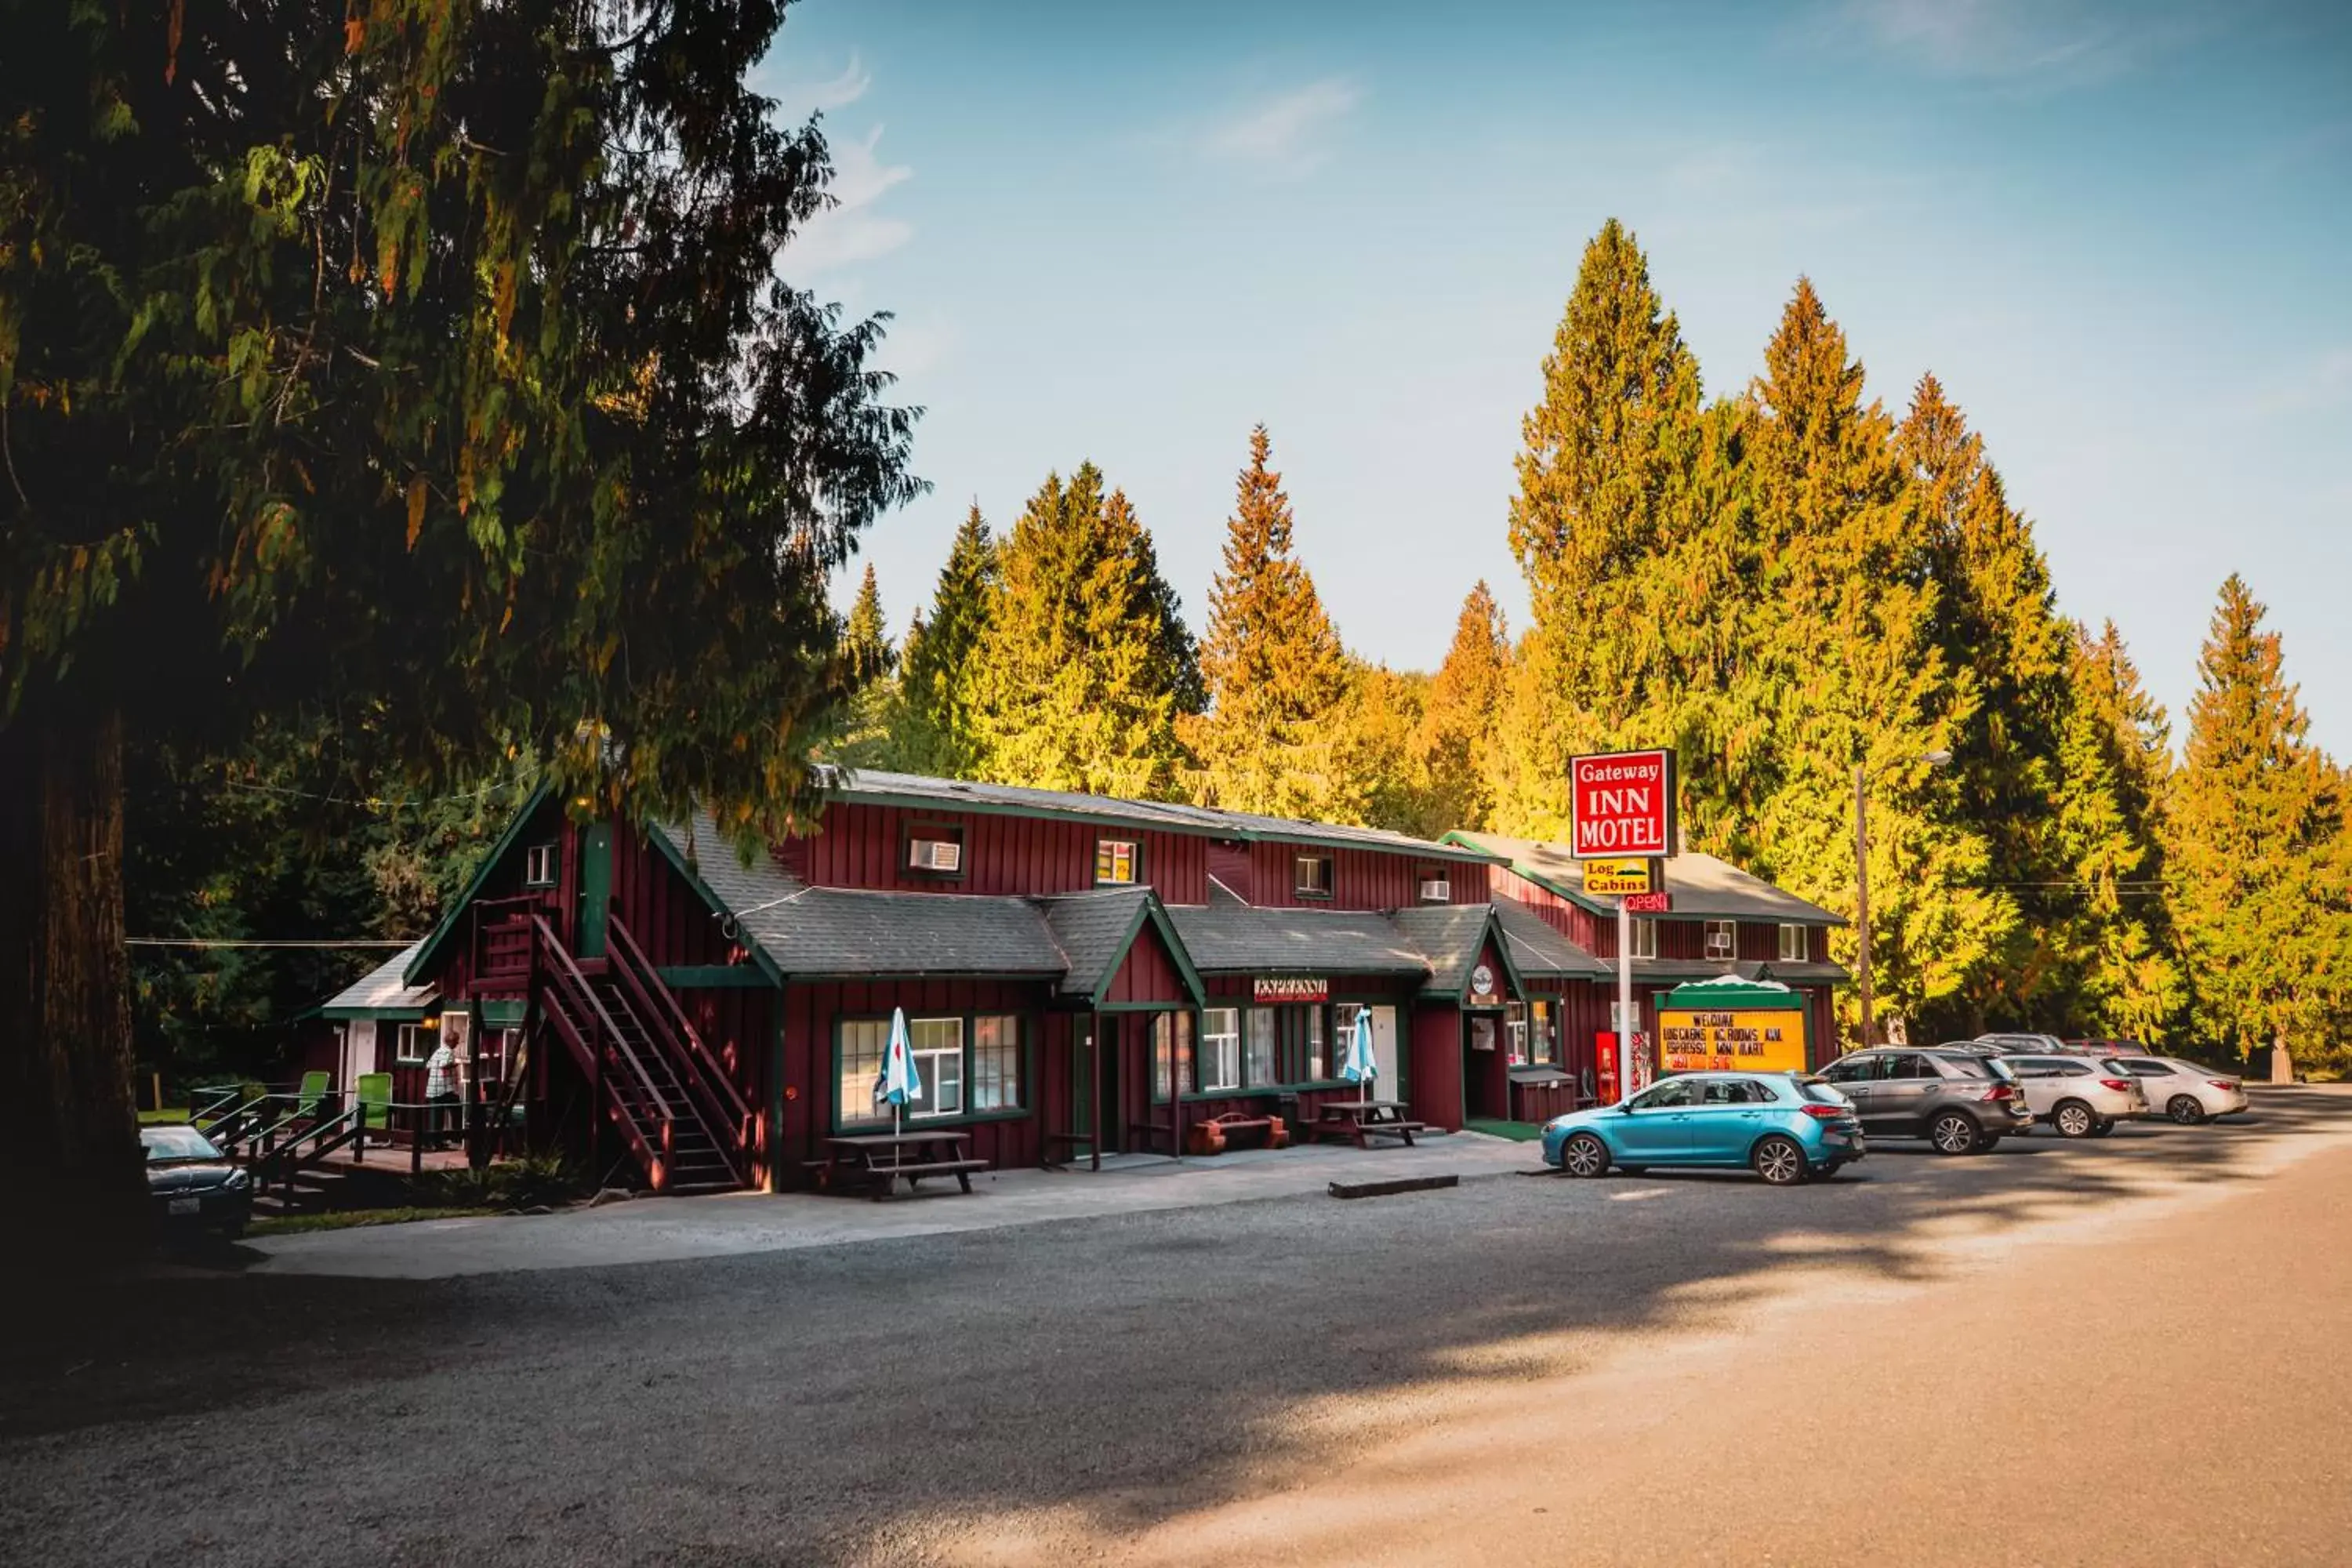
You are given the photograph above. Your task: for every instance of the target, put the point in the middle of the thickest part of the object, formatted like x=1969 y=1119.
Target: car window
x=1820 y=1091
x=176 y=1143
x=1963 y=1065
x=1735 y=1091
x=2031 y=1066
x=1911 y=1065
x=1666 y=1096
x=2072 y=1070
x=1854 y=1069
x=2144 y=1067
x=1760 y=1093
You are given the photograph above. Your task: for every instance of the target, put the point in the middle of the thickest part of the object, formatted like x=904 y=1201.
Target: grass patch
x=1517 y=1132
x=168 y=1114
x=349 y=1219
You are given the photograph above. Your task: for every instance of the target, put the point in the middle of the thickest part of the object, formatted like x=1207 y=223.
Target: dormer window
x=1793 y=945
x=538 y=866
x=935 y=849
x=1116 y=860
x=1312 y=876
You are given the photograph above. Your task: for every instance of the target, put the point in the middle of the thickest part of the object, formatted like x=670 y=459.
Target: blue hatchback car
x=1784 y=1126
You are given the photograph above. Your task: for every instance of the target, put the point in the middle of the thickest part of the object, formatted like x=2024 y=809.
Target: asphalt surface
x=1670 y=1368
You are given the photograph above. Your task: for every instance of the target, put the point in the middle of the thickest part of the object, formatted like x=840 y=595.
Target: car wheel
x=1584 y=1155
x=1955 y=1132
x=2074 y=1118
x=2187 y=1110
x=1780 y=1161
x=2106 y=1125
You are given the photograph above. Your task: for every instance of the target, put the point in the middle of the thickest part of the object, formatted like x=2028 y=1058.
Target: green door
x=595 y=888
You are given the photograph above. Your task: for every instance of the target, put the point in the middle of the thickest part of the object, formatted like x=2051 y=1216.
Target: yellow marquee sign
x=1620 y=877
x=1761 y=1040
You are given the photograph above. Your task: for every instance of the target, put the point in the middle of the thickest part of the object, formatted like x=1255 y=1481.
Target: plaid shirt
x=439 y=1077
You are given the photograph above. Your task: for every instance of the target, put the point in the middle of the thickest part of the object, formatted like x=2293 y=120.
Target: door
x=595 y=889
x=1731 y=1115
x=1900 y=1101
x=1082 y=1075
x=359 y=1051
x=1483 y=1072
x=1656 y=1124
x=1389 y=1085
x=1855 y=1077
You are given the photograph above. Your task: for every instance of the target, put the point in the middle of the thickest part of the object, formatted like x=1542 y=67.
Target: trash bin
x=1286 y=1106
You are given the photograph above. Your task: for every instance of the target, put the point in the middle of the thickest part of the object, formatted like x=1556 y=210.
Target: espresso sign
x=1622 y=805
x=1290 y=988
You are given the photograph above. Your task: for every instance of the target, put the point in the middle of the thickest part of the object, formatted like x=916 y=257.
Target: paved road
x=1670 y=1369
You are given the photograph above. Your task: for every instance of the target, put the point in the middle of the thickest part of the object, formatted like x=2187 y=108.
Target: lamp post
x=1862 y=880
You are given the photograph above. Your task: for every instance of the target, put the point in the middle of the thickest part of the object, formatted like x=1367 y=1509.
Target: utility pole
x=1862 y=895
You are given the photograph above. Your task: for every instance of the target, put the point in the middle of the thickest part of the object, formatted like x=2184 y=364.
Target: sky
x=2117 y=233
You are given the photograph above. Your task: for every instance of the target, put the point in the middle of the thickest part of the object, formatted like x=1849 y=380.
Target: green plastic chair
x=312 y=1094
x=373 y=1092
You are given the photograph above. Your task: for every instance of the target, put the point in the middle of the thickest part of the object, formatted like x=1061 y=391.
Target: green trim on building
x=429 y=953
x=714 y=977
x=702 y=891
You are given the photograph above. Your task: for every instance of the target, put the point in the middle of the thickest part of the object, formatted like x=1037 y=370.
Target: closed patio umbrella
x=1362 y=1067
x=900 y=1082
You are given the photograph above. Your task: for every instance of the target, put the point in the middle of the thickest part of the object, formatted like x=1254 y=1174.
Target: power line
x=241 y=941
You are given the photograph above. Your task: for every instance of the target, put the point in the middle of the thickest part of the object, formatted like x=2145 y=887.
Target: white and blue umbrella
x=1362 y=1067
x=900 y=1083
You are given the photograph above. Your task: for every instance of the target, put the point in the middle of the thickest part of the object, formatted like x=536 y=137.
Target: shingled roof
x=1701 y=885
x=382 y=990
x=1226 y=936
x=1539 y=950
x=1448 y=938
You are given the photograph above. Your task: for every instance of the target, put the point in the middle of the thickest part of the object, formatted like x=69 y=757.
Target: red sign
x=1649 y=903
x=1621 y=803
x=1284 y=988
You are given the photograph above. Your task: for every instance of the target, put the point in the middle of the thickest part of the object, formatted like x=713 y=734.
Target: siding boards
x=1148 y=972
x=1360 y=878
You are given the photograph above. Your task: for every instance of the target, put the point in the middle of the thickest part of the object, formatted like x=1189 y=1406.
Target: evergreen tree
x=2256 y=858
x=1458 y=733
x=1845 y=667
x=1381 y=729
x=1084 y=665
x=866 y=639
x=872 y=727
x=939 y=651
x=1275 y=674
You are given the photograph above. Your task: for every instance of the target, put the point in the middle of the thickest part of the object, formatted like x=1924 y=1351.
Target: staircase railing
x=324 y=1136
x=704 y=1077
x=571 y=1005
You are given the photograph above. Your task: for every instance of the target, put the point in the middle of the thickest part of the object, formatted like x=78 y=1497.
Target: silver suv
x=2082 y=1097
x=1956 y=1100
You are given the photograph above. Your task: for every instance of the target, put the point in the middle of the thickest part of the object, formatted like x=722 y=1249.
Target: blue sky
x=2118 y=234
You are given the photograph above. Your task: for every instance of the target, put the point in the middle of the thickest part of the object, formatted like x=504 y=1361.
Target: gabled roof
x=1702 y=885
x=382 y=991
x=427 y=955
x=1096 y=931
x=1539 y=950
x=1226 y=936
x=1450 y=938
x=959 y=794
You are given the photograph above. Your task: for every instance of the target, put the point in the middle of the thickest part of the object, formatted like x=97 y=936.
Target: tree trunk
x=71 y=1150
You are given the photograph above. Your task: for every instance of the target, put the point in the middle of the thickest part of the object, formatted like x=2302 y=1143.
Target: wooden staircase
x=661 y=1091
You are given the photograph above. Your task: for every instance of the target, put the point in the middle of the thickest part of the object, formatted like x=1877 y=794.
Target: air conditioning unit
x=935 y=855
x=1437 y=890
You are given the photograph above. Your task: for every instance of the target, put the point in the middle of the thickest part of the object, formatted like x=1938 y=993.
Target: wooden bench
x=1216 y=1135
x=1358 y=1122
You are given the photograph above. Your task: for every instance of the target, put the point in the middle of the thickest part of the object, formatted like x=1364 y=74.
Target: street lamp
x=1862 y=878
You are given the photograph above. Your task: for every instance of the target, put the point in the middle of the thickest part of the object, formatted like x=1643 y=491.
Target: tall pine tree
x=2256 y=856
x=938 y=680
x=1275 y=673
x=869 y=732
x=1085 y=663
x=1459 y=729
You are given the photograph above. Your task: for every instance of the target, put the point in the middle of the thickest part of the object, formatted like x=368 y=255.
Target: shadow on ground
x=847 y=1404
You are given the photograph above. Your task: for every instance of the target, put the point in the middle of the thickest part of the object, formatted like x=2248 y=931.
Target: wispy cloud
x=850 y=230
x=800 y=97
x=1288 y=136
x=2036 y=43
x=2321 y=381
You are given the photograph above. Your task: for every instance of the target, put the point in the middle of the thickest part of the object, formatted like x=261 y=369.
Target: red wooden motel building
x=1078 y=973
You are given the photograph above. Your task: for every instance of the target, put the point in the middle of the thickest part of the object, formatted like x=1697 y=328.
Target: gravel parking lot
x=1047 y=1391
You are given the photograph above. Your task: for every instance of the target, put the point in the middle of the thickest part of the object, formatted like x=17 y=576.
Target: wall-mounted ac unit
x=935 y=855
x=1437 y=890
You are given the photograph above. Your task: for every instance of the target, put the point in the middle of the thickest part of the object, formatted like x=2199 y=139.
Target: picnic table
x=880 y=1158
x=1359 y=1120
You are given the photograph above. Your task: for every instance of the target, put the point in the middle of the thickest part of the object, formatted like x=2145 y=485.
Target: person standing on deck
x=441 y=1090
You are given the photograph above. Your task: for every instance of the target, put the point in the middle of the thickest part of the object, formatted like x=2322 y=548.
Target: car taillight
x=1999 y=1092
x=2224 y=1083
x=2117 y=1084
x=1823 y=1112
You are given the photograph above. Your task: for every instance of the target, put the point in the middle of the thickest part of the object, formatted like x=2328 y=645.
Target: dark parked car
x=1959 y=1101
x=192 y=1187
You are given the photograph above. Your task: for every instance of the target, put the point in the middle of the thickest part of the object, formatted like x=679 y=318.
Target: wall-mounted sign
x=1482 y=984
x=1290 y=988
x=1620 y=803
x=1624 y=876
x=1649 y=903
x=1745 y=1040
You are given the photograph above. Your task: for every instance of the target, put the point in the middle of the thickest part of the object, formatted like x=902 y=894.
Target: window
x=1312 y=876
x=538 y=866
x=1670 y=1095
x=1794 y=947
x=1735 y=1091
x=1258 y=1056
x=1910 y=1065
x=1221 y=1049
x=1301 y=1054
x=1856 y=1069
x=996 y=1062
x=1115 y=861
x=411 y=1045
x=862 y=1044
x=935 y=849
x=499 y=1050
x=1722 y=939
x=1172 y=1054
x=1645 y=938
x=938 y=1061
x=1527 y=1034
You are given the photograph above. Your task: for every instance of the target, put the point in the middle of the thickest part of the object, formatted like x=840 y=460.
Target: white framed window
x=996 y=1062
x=1793 y=945
x=538 y=866
x=1221 y=1049
x=1514 y=1034
x=1543 y=1034
x=1318 y=1056
x=1115 y=861
x=413 y=1043
x=862 y=1044
x=937 y=1050
x=1645 y=938
x=1722 y=939
x=1258 y=1052
x=1312 y=876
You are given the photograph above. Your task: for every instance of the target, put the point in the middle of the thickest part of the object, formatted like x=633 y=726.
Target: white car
x=2184 y=1092
x=2082 y=1097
